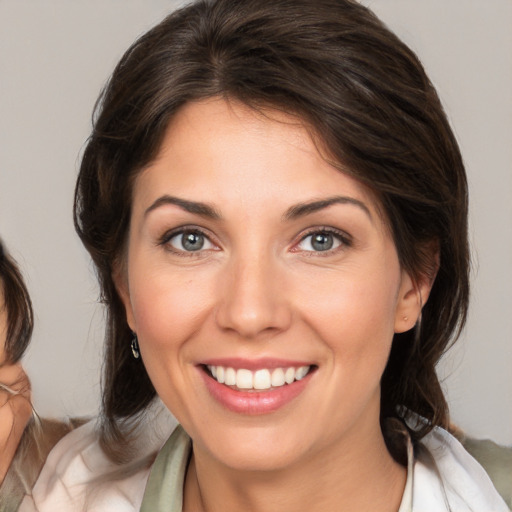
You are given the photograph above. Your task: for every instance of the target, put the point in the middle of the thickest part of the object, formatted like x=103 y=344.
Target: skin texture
x=258 y=289
x=15 y=410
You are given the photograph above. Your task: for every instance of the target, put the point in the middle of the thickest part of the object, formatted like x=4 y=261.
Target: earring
x=406 y=318
x=135 y=347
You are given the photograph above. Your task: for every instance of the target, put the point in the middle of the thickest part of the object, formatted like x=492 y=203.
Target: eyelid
x=168 y=235
x=345 y=239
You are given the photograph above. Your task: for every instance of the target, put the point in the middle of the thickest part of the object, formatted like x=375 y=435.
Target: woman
x=25 y=439
x=277 y=210
x=15 y=330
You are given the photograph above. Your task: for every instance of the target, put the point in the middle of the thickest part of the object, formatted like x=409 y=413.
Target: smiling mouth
x=260 y=380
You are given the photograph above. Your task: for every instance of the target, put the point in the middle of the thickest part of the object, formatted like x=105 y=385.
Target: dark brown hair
x=39 y=435
x=366 y=97
x=20 y=318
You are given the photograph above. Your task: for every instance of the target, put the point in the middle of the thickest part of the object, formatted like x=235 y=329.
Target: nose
x=253 y=298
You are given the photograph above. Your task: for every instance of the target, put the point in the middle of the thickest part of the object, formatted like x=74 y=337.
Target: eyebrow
x=302 y=209
x=296 y=211
x=202 y=209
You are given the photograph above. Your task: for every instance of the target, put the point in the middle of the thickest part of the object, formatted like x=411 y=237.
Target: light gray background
x=54 y=57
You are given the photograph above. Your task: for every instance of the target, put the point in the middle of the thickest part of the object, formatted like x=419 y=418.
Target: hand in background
x=15 y=405
x=15 y=412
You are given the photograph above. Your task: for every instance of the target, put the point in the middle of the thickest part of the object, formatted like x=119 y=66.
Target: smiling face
x=253 y=262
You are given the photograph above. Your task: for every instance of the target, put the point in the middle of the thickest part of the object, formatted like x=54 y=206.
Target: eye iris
x=192 y=241
x=322 y=241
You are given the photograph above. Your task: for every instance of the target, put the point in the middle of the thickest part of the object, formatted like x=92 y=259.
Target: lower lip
x=255 y=402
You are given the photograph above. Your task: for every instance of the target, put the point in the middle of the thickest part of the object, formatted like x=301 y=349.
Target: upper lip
x=254 y=364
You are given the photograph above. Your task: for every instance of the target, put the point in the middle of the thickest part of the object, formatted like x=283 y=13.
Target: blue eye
x=321 y=241
x=190 y=241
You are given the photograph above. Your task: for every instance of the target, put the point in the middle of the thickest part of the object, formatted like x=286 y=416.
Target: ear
x=414 y=291
x=120 y=278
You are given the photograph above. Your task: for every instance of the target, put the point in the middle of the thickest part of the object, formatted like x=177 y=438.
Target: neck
x=350 y=476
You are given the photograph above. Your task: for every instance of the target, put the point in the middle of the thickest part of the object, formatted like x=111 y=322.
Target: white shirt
x=441 y=477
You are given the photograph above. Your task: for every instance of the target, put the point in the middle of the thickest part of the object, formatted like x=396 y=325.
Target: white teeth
x=230 y=377
x=289 y=375
x=260 y=379
x=244 y=379
x=278 y=377
x=301 y=372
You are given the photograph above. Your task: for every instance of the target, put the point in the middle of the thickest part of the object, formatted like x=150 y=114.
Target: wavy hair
x=365 y=96
x=17 y=303
x=39 y=435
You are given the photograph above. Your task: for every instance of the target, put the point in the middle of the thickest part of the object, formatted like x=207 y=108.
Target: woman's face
x=251 y=258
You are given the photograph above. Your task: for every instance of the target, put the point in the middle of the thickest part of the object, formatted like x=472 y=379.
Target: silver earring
x=135 y=347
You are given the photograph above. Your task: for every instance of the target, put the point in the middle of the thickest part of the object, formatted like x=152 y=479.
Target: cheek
x=168 y=306
x=354 y=314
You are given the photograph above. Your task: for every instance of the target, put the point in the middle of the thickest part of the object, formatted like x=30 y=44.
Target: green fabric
x=497 y=462
x=164 y=490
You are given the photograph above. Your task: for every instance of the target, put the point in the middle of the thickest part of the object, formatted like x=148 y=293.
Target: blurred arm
x=15 y=412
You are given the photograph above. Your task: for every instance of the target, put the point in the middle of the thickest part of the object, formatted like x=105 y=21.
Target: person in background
x=25 y=439
x=16 y=324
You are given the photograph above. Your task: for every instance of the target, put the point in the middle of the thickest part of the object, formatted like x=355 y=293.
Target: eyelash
x=193 y=230
x=343 y=238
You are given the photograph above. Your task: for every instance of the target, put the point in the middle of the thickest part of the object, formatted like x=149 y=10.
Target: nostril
x=251 y=297
x=250 y=320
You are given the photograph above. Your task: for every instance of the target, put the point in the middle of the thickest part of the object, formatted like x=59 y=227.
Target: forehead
x=233 y=130
x=214 y=147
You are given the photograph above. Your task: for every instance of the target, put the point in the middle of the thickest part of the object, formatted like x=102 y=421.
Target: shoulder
x=79 y=476
x=71 y=478
x=446 y=475
x=497 y=462
x=39 y=437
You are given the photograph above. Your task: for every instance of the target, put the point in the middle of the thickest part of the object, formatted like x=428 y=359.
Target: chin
x=254 y=449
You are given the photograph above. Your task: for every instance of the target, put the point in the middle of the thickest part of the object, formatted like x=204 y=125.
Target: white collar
x=446 y=478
